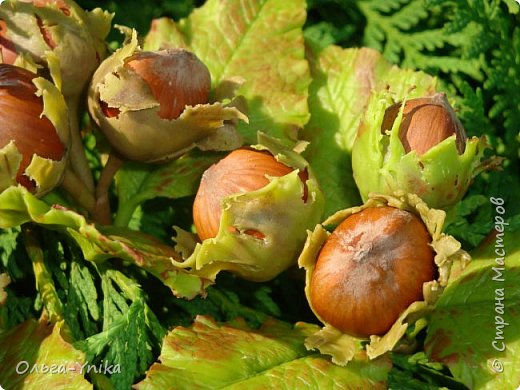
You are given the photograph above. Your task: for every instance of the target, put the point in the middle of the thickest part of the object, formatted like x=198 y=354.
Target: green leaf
x=231 y=356
x=98 y=244
x=343 y=81
x=478 y=311
x=29 y=351
x=416 y=372
x=260 y=41
x=137 y=183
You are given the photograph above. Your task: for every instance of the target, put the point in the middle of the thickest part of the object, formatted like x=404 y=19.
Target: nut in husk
x=381 y=270
x=425 y=123
x=57 y=35
x=417 y=146
x=153 y=106
x=34 y=131
x=261 y=221
x=370 y=269
x=241 y=171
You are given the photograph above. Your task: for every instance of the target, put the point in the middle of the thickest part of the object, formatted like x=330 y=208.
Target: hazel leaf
x=137 y=183
x=99 y=244
x=232 y=356
x=37 y=355
x=474 y=329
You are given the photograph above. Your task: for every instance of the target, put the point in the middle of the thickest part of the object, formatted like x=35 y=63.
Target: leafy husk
x=79 y=39
x=138 y=133
x=46 y=173
x=440 y=176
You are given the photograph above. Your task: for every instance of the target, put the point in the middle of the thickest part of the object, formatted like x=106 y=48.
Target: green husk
x=277 y=210
x=440 y=176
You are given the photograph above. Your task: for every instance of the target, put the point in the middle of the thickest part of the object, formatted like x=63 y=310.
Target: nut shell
x=370 y=269
x=22 y=121
x=426 y=122
x=176 y=78
x=242 y=170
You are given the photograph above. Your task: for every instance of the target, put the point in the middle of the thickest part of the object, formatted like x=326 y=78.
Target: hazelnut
x=21 y=121
x=241 y=171
x=154 y=106
x=176 y=78
x=426 y=122
x=370 y=269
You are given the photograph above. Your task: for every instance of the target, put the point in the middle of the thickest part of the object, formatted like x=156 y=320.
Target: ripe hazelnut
x=176 y=77
x=370 y=269
x=426 y=122
x=241 y=171
x=21 y=121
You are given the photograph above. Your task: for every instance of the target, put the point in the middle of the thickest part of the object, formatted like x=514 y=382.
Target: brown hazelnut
x=241 y=171
x=21 y=121
x=426 y=122
x=370 y=269
x=176 y=77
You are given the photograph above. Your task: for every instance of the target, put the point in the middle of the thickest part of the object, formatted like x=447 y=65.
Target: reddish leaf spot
x=46 y=34
x=438 y=345
x=62 y=5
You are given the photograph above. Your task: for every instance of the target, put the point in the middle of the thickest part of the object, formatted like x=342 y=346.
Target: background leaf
x=209 y=356
x=40 y=345
x=467 y=318
x=18 y=206
x=137 y=183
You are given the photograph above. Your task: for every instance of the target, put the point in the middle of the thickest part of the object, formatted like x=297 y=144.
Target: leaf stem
x=44 y=282
x=77 y=190
x=125 y=212
x=77 y=156
x=102 y=213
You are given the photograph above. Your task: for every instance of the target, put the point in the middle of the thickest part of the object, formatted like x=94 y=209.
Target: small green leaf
x=4 y=282
x=128 y=342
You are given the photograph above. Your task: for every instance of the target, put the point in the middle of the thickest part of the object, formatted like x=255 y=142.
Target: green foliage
x=416 y=372
x=12 y=257
x=119 y=314
x=138 y=14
